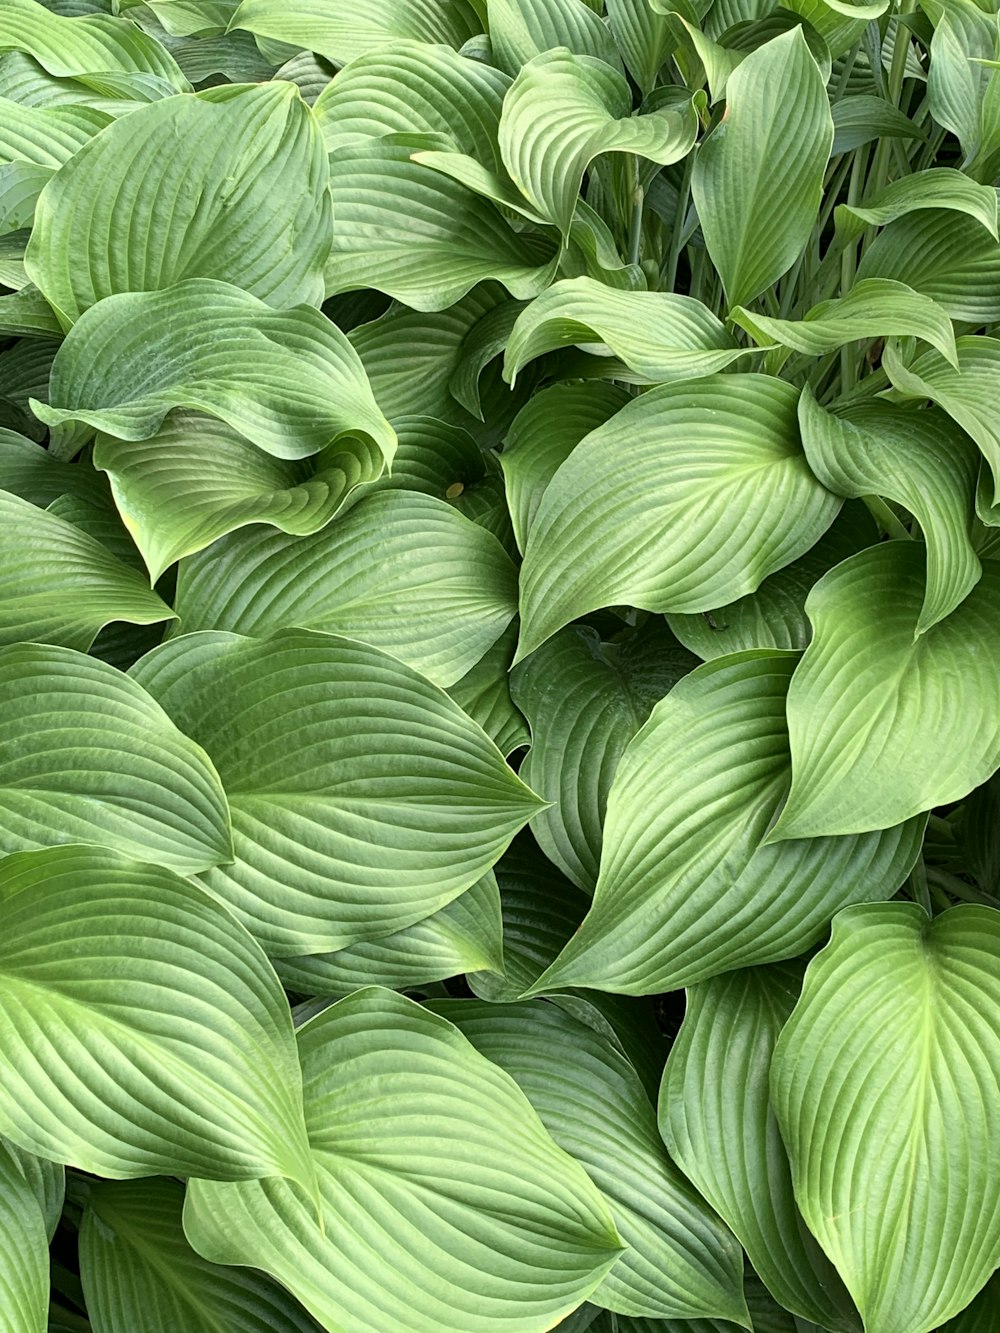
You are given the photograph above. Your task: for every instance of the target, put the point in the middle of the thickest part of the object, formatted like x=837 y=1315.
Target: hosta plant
x=499 y=666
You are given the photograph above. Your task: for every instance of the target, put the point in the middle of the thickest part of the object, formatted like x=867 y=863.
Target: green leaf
x=24 y=1252
x=940 y=188
x=402 y=571
x=644 y=38
x=138 y=1271
x=229 y=184
x=144 y=1032
x=87 y=756
x=543 y=435
x=584 y=701
x=446 y=1205
x=341 y=34
x=287 y=380
x=718 y=1125
x=920 y=460
x=26 y=313
x=562 y=111
x=688 y=885
x=884 y=724
x=889 y=1119
x=362 y=797
x=758 y=178
x=952 y=259
x=704 y=492
x=774 y=616
x=659 y=336
x=962 y=89
x=874 y=308
x=47 y=1181
x=464 y=936
x=982 y=1315
x=523 y=29
x=861 y=118
x=484 y=693
x=71 y=47
x=46 y=136
x=83 y=587
x=680 y=1262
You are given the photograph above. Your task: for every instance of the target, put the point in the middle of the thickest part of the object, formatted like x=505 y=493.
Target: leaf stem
x=635 y=219
x=668 y=274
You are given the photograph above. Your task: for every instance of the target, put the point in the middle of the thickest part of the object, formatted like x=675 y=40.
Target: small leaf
x=889 y=1119
x=860 y=118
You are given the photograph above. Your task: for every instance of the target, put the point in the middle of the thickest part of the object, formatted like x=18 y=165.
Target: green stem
x=918 y=886
x=668 y=273
x=957 y=888
x=848 y=268
x=635 y=220
x=884 y=516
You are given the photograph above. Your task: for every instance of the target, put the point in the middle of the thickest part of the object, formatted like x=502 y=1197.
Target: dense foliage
x=499 y=666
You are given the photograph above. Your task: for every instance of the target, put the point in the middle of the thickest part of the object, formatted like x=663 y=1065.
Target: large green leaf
x=342 y=33
x=758 y=178
x=362 y=797
x=69 y=47
x=891 y=1118
x=287 y=380
x=47 y=1180
x=680 y=1262
x=644 y=38
x=144 y=1030
x=446 y=1204
x=59 y=585
x=562 y=111
x=718 y=1125
x=523 y=29
x=704 y=490
x=951 y=258
x=230 y=184
x=24 y=1252
x=584 y=701
x=659 y=336
x=484 y=693
x=465 y=936
x=686 y=888
x=46 y=136
x=963 y=91
x=402 y=571
x=936 y=188
x=88 y=756
x=884 y=724
x=919 y=459
x=139 y=1272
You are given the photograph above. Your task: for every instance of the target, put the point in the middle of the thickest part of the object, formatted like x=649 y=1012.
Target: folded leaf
x=758 y=178
x=343 y=33
x=404 y=572
x=523 y=29
x=878 y=736
x=717 y=1123
x=362 y=797
x=229 y=184
x=703 y=491
x=861 y=118
x=680 y=1262
x=24 y=1252
x=890 y=1119
x=144 y=1031
x=46 y=136
x=446 y=1204
x=952 y=259
x=940 y=188
x=644 y=38
x=87 y=756
x=688 y=888
x=79 y=46
x=287 y=380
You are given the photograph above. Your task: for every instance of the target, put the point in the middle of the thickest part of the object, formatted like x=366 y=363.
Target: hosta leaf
x=658 y=335
x=680 y=1262
x=465 y=936
x=951 y=258
x=446 y=1205
x=775 y=615
x=420 y=236
x=24 y=1252
x=686 y=888
x=718 y=1126
x=562 y=111
x=861 y=118
x=46 y=136
x=404 y=572
x=26 y=313
x=87 y=756
x=229 y=184
x=936 y=189
x=982 y=1315
x=287 y=380
x=138 y=1271
x=758 y=177
x=82 y=589
x=961 y=87
x=644 y=38
x=874 y=308
x=47 y=1180
x=890 y=1119
x=919 y=459
x=584 y=701
x=362 y=798
x=543 y=435
x=877 y=736
x=144 y=1031
x=523 y=29
x=484 y=693
x=342 y=34
x=704 y=492
x=70 y=47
